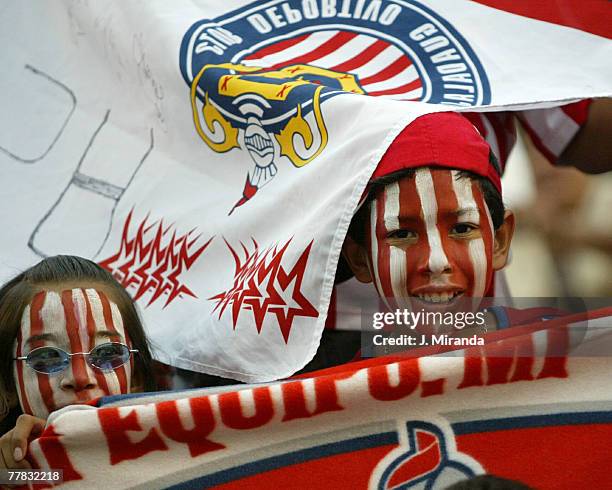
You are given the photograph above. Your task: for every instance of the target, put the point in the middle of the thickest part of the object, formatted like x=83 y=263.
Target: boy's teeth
x=437 y=297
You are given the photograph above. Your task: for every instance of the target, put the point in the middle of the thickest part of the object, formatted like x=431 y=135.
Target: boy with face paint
x=69 y=333
x=432 y=228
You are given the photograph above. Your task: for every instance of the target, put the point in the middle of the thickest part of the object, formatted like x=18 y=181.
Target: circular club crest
x=397 y=49
x=258 y=75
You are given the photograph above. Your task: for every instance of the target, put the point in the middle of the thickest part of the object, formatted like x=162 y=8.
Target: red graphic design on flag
x=263 y=285
x=154 y=259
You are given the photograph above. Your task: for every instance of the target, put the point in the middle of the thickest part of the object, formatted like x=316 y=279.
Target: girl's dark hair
x=17 y=293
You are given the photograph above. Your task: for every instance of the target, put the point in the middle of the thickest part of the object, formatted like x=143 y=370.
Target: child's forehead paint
x=105 y=313
x=84 y=309
x=77 y=331
x=50 y=317
x=392 y=206
x=438 y=260
x=86 y=327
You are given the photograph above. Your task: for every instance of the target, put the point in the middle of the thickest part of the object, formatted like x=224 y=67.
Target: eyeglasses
x=52 y=360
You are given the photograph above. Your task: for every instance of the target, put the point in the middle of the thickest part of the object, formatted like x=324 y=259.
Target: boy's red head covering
x=443 y=139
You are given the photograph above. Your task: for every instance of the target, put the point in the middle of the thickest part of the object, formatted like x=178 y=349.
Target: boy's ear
x=357 y=258
x=501 y=243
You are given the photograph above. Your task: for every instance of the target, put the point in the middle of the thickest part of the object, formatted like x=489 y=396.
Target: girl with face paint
x=432 y=229
x=69 y=333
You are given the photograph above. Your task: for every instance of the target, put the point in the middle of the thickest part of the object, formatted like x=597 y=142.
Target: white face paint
x=430 y=236
x=476 y=247
x=74 y=320
x=397 y=257
x=429 y=209
x=374 y=255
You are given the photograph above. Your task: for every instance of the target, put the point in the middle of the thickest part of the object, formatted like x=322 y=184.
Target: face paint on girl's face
x=74 y=320
x=430 y=240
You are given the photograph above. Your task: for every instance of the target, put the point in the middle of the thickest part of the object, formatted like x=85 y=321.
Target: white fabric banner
x=530 y=407
x=211 y=154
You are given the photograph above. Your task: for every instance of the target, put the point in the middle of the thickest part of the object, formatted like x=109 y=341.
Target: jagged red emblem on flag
x=154 y=259
x=263 y=285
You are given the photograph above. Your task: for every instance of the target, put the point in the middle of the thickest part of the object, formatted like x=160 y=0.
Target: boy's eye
x=463 y=228
x=402 y=234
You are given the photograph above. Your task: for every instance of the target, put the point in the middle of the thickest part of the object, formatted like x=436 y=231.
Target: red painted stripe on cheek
x=417 y=254
x=108 y=320
x=37 y=328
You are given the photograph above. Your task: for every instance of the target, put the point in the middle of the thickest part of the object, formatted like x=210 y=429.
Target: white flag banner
x=211 y=154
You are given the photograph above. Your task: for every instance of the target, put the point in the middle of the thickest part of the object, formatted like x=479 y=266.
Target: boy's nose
x=438 y=262
x=435 y=261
